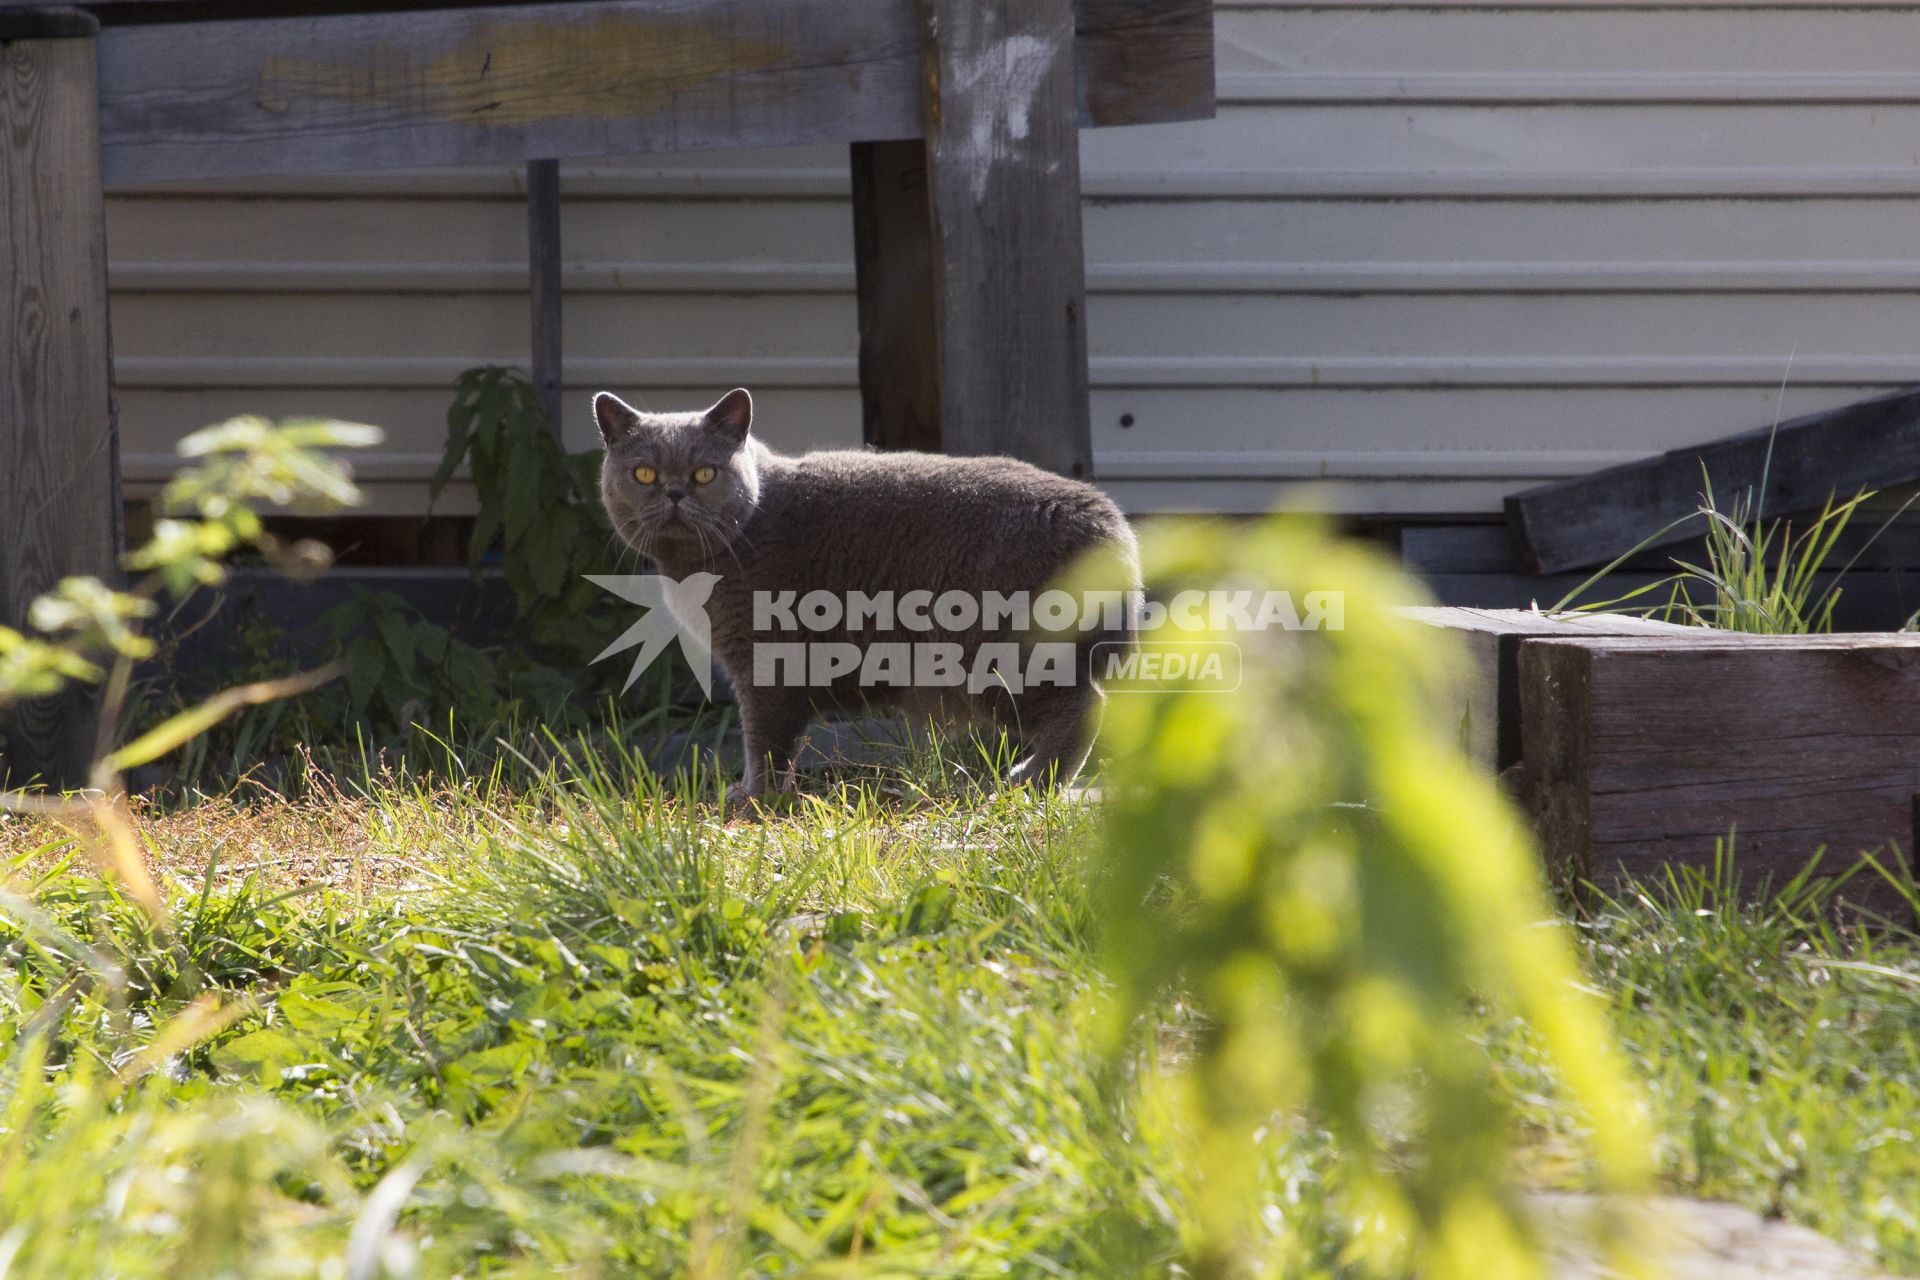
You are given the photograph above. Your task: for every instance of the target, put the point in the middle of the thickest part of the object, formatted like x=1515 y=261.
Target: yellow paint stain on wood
x=524 y=71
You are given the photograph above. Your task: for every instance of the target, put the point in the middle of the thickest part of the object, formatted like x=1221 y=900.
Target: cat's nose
x=674 y=495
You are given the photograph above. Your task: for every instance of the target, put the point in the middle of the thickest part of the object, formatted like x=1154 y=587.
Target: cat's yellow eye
x=645 y=475
x=704 y=475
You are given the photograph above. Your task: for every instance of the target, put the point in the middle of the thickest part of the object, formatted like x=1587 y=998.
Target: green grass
x=1780 y=1052
x=598 y=1030
x=587 y=1028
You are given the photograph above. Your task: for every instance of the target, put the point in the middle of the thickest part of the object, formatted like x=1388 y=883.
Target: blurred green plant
x=1313 y=862
x=209 y=512
x=90 y=632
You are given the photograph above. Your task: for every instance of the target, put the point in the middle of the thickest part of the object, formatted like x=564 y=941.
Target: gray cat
x=698 y=494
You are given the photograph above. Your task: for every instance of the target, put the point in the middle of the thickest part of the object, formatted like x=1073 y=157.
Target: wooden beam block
x=1489 y=708
x=544 y=287
x=504 y=84
x=59 y=458
x=1592 y=519
x=1008 y=268
x=1641 y=751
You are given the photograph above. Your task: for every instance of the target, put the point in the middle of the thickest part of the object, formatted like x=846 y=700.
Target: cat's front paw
x=756 y=804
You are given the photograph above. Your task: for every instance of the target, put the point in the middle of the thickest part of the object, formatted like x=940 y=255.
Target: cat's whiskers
x=621 y=546
x=640 y=539
x=707 y=522
x=700 y=535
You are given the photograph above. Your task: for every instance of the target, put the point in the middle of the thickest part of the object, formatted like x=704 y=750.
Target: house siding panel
x=1427 y=254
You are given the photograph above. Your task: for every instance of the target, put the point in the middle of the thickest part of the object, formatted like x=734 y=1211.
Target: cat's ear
x=614 y=416
x=733 y=414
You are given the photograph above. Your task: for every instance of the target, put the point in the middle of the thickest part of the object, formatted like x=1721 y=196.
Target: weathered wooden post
x=972 y=279
x=543 y=286
x=59 y=458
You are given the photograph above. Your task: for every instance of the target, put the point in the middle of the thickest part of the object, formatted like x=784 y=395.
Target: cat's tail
x=1111 y=574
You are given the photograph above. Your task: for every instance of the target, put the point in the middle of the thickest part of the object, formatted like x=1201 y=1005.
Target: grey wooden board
x=354 y=92
x=1592 y=519
x=1489 y=701
x=1009 y=270
x=59 y=486
x=1471 y=548
x=1641 y=751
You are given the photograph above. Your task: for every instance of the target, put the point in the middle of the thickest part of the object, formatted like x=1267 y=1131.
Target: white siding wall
x=1427 y=254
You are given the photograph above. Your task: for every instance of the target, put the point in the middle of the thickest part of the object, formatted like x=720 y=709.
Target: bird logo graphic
x=676 y=610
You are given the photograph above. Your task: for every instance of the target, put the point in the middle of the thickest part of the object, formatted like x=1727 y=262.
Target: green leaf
x=459 y=438
x=545 y=552
x=366 y=664
x=402 y=639
x=235 y=435
x=524 y=497
x=260 y=1055
x=329 y=433
x=310 y=1011
x=486 y=528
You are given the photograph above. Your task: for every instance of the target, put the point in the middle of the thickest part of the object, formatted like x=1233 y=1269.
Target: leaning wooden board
x=1637 y=745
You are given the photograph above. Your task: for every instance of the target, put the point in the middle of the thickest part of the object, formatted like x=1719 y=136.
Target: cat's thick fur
x=845 y=522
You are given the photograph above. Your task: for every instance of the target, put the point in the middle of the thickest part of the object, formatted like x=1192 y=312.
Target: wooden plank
x=343 y=92
x=59 y=483
x=1590 y=520
x=501 y=85
x=893 y=271
x=1643 y=751
x=1009 y=271
x=1146 y=61
x=49 y=22
x=1489 y=703
x=544 y=287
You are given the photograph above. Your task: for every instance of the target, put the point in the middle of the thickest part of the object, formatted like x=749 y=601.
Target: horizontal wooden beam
x=1489 y=704
x=47 y=22
x=1595 y=518
x=505 y=84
